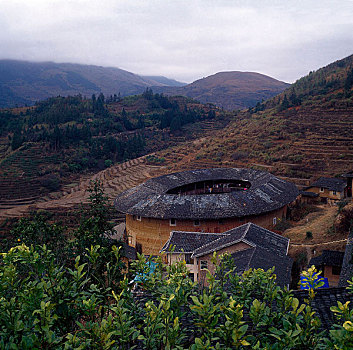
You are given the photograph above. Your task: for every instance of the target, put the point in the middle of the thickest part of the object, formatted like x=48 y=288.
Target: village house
x=204 y=200
x=249 y=245
x=328 y=189
x=330 y=263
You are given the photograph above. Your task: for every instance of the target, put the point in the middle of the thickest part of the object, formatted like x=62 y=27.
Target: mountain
x=230 y=90
x=24 y=82
x=302 y=134
x=162 y=80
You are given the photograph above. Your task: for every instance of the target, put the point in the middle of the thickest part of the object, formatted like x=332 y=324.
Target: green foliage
x=37 y=231
x=44 y=305
x=309 y=235
x=86 y=302
x=95 y=227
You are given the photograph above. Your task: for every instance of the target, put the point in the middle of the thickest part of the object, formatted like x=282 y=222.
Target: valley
x=302 y=134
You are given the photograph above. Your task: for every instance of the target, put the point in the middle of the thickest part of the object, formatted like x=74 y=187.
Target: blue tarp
x=149 y=269
x=316 y=281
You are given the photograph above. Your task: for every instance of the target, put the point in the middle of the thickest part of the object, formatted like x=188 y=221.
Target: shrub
x=309 y=235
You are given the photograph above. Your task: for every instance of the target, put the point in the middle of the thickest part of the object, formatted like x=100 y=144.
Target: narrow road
x=316 y=244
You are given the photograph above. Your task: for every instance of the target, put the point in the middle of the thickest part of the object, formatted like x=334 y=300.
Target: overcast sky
x=181 y=39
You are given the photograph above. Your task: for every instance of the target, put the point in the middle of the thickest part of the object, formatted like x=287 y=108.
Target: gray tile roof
x=267 y=249
x=129 y=252
x=330 y=183
x=251 y=234
x=309 y=194
x=324 y=299
x=187 y=242
x=259 y=257
x=267 y=193
x=329 y=258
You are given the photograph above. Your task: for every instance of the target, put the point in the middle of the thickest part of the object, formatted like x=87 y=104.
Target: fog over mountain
x=183 y=40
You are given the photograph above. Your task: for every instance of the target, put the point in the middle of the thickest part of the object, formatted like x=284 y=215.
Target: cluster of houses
x=192 y=214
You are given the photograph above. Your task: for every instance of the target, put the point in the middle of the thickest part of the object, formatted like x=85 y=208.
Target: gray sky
x=181 y=39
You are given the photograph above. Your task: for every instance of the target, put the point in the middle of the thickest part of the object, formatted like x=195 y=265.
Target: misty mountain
x=163 y=80
x=24 y=82
x=230 y=90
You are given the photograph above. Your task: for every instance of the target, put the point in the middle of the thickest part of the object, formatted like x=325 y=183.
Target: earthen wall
x=152 y=233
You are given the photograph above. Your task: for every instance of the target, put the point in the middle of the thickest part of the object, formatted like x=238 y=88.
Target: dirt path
x=315 y=244
x=319 y=224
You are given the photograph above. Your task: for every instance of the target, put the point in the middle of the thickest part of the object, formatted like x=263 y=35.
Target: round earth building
x=205 y=200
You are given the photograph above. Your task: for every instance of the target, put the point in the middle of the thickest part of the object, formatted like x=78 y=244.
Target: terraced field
x=115 y=180
x=298 y=147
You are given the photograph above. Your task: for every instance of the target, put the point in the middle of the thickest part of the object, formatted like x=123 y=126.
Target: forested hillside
x=24 y=82
x=45 y=145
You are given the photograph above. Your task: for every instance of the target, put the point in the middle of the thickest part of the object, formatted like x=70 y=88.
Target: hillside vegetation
x=50 y=144
x=304 y=133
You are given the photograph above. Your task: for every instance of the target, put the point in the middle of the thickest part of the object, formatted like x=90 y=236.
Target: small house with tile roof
x=249 y=245
x=330 y=263
x=203 y=200
x=328 y=189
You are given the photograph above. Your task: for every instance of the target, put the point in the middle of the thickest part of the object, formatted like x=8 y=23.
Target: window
x=322 y=189
x=274 y=221
x=138 y=218
x=334 y=193
x=203 y=264
x=336 y=270
x=188 y=259
x=191 y=276
x=172 y=222
x=196 y=222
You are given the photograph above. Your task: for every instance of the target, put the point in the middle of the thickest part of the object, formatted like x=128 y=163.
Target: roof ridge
x=246 y=230
x=265 y=229
x=203 y=233
x=252 y=254
x=205 y=245
x=168 y=241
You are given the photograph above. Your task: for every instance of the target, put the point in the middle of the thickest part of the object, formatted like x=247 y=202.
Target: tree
x=95 y=227
x=17 y=140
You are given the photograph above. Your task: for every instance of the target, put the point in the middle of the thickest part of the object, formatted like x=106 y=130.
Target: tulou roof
x=151 y=199
x=330 y=183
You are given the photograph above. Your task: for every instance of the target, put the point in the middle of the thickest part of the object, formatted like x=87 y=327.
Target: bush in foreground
x=48 y=306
